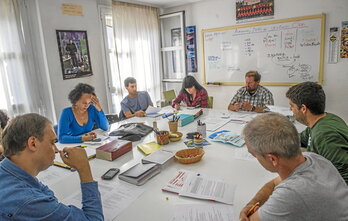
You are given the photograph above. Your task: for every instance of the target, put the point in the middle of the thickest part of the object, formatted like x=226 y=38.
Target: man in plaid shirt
x=253 y=96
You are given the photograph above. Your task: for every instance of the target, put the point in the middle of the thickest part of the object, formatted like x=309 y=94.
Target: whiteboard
x=284 y=52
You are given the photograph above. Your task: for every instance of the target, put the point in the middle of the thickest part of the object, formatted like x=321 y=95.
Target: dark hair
x=272 y=133
x=18 y=131
x=129 y=80
x=3 y=119
x=310 y=94
x=79 y=90
x=188 y=82
x=254 y=74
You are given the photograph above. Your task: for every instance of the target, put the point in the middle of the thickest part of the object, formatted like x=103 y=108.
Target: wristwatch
x=253 y=108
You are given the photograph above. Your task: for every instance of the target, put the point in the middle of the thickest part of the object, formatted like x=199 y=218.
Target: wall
x=51 y=20
x=219 y=13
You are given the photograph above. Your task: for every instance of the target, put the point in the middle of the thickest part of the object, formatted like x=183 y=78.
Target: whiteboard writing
x=284 y=51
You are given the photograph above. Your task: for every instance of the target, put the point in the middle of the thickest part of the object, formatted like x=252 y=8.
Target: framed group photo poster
x=74 y=54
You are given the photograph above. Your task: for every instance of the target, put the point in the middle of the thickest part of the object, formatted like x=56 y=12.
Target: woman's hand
x=95 y=102
x=89 y=136
x=177 y=106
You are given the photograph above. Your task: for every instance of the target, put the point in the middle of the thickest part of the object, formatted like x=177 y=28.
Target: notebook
x=148 y=148
x=140 y=173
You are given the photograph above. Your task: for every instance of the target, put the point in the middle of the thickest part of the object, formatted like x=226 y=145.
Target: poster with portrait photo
x=74 y=54
x=254 y=10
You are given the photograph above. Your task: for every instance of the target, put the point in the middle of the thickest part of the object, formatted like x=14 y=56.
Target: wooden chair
x=210 y=101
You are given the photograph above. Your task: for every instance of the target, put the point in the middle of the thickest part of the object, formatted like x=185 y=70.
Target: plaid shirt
x=201 y=99
x=261 y=98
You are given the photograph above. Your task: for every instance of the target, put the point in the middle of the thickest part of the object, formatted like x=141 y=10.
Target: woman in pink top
x=192 y=94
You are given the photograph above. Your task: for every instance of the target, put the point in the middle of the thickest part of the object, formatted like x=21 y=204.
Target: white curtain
x=137 y=40
x=22 y=85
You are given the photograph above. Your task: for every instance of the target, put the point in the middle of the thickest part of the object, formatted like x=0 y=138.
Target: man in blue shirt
x=136 y=103
x=29 y=148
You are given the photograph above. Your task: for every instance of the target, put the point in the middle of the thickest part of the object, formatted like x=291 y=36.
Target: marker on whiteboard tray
x=213 y=83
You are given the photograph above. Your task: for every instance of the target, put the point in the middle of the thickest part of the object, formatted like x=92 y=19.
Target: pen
x=251 y=210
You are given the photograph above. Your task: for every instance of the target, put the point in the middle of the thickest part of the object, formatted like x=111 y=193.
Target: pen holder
x=198 y=143
x=173 y=126
x=202 y=129
x=162 y=137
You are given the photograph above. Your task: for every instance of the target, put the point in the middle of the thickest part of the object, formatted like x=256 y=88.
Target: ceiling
x=162 y=3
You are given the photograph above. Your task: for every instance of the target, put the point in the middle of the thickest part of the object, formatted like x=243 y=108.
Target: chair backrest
x=210 y=101
x=112 y=118
x=169 y=95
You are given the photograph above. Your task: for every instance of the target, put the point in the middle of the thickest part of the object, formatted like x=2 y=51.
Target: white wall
x=52 y=19
x=219 y=13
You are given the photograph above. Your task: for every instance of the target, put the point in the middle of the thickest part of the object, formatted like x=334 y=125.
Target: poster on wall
x=191 y=49
x=344 y=40
x=74 y=54
x=253 y=10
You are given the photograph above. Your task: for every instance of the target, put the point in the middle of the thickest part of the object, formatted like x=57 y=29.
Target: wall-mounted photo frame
x=74 y=54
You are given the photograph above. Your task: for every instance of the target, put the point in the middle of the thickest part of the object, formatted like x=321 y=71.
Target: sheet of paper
x=53 y=175
x=151 y=110
x=203 y=212
x=207 y=188
x=115 y=196
x=243 y=154
x=214 y=123
x=177 y=182
x=281 y=110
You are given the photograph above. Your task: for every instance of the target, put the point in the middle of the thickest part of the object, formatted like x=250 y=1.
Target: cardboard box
x=114 y=149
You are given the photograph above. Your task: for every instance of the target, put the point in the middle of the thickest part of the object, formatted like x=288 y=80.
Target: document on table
x=53 y=175
x=151 y=110
x=203 y=212
x=243 y=154
x=214 y=123
x=207 y=188
x=281 y=110
x=115 y=197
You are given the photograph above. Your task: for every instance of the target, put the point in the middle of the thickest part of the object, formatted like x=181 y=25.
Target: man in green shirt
x=326 y=134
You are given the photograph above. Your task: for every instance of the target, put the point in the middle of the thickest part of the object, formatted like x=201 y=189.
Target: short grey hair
x=272 y=133
x=129 y=80
x=18 y=131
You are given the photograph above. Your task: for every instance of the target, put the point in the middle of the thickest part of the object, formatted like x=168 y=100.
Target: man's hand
x=140 y=113
x=76 y=157
x=234 y=107
x=247 y=106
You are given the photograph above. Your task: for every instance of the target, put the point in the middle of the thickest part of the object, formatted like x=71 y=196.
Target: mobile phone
x=111 y=173
x=96 y=140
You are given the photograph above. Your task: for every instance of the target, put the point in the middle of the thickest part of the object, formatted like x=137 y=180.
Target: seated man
x=136 y=103
x=253 y=96
x=326 y=134
x=29 y=148
x=308 y=187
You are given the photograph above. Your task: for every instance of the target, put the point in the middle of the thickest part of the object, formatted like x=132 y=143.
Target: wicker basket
x=175 y=136
x=189 y=155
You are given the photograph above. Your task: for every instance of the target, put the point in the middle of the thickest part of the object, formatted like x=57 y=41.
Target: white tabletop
x=218 y=162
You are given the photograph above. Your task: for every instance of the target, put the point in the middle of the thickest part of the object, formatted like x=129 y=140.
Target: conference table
x=153 y=204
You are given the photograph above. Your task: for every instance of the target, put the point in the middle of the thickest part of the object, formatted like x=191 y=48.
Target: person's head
x=252 y=81
x=81 y=96
x=190 y=85
x=3 y=119
x=270 y=136
x=131 y=85
x=304 y=97
x=33 y=134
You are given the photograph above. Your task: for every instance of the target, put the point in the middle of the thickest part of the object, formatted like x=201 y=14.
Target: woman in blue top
x=77 y=122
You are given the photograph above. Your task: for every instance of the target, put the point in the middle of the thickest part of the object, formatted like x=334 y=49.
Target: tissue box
x=114 y=149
